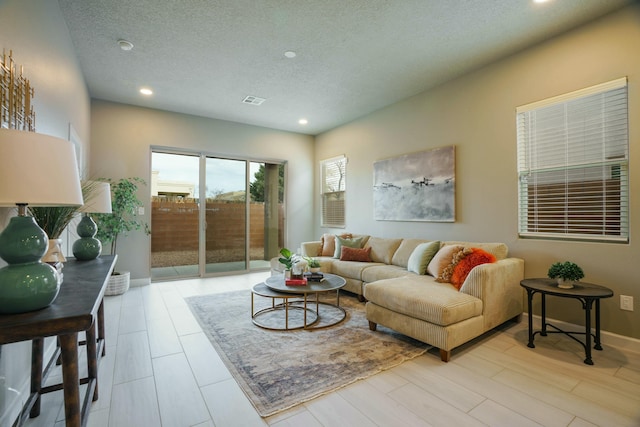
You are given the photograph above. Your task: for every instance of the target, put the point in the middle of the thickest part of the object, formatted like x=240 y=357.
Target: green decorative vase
x=87 y=247
x=26 y=284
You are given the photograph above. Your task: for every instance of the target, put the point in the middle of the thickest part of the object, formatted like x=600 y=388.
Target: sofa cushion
x=382 y=271
x=350 y=269
x=382 y=249
x=499 y=250
x=423 y=298
x=355 y=254
x=404 y=251
x=355 y=242
x=421 y=256
x=326 y=263
x=442 y=259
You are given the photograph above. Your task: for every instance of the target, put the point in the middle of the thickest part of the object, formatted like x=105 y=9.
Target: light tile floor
x=191 y=271
x=160 y=370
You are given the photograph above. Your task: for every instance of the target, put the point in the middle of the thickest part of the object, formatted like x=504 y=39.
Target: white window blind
x=333 y=174
x=573 y=165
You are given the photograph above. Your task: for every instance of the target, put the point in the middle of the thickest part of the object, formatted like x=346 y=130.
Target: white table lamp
x=87 y=247
x=37 y=170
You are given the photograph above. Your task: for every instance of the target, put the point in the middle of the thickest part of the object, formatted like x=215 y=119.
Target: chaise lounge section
x=415 y=298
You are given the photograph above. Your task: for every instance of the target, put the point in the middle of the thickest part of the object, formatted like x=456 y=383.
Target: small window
x=333 y=173
x=573 y=165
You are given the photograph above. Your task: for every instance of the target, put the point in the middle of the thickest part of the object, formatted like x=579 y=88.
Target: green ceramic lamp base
x=26 y=284
x=27 y=287
x=86 y=248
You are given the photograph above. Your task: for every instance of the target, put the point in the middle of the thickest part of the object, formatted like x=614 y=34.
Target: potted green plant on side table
x=566 y=273
x=123 y=219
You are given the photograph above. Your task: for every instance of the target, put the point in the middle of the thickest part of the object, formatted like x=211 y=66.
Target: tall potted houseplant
x=122 y=220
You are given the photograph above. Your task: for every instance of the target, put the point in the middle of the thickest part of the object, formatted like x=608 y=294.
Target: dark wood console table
x=78 y=308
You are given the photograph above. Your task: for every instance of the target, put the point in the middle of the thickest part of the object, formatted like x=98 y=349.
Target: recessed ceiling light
x=303 y=121
x=146 y=91
x=540 y=1
x=290 y=54
x=125 y=45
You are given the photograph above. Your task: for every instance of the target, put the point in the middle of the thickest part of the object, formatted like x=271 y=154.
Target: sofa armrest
x=310 y=248
x=498 y=286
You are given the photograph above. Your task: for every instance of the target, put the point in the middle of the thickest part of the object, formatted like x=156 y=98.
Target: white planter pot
x=54 y=252
x=118 y=283
x=565 y=284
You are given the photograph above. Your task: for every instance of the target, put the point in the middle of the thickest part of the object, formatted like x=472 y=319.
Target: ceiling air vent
x=253 y=100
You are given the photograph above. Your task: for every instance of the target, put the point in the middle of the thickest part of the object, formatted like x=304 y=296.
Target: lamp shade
x=38 y=170
x=99 y=198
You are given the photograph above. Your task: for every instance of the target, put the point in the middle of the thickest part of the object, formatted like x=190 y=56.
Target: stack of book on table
x=314 y=277
x=296 y=282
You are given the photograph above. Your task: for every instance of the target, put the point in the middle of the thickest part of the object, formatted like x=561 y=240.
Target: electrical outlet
x=626 y=302
x=140 y=210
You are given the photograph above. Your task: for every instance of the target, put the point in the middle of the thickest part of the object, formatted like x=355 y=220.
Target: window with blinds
x=573 y=165
x=333 y=173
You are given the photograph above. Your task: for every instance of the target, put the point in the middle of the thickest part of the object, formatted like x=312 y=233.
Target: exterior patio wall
x=174 y=225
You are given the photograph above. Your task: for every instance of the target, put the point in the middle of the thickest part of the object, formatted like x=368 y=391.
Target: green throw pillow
x=350 y=243
x=421 y=256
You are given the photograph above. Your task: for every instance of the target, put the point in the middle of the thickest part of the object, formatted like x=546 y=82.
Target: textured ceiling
x=203 y=57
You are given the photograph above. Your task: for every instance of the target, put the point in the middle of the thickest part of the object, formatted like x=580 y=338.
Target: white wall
x=38 y=36
x=121 y=137
x=476 y=113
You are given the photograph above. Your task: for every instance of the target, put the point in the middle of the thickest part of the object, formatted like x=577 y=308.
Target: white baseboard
x=140 y=282
x=607 y=338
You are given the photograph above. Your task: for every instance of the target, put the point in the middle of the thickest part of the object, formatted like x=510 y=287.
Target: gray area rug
x=281 y=369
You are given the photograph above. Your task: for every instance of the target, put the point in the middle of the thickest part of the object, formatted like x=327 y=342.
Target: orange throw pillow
x=355 y=254
x=466 y=264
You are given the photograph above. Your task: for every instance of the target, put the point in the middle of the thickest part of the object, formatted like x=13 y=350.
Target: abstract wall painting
x=415 y=187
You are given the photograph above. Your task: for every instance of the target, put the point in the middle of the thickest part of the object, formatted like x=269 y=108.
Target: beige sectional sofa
x=419 y=306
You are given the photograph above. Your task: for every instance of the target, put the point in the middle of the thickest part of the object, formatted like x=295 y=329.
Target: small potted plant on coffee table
x=313 y=264
x=287 y=258
x=566 y=273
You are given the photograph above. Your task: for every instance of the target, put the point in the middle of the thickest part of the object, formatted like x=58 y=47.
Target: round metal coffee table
x=305 y=297
x=263 y=317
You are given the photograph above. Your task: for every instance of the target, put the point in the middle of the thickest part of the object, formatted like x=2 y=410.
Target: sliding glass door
x=266 y=188
x=237 y=227
x=175 y=220
x=226 y=215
